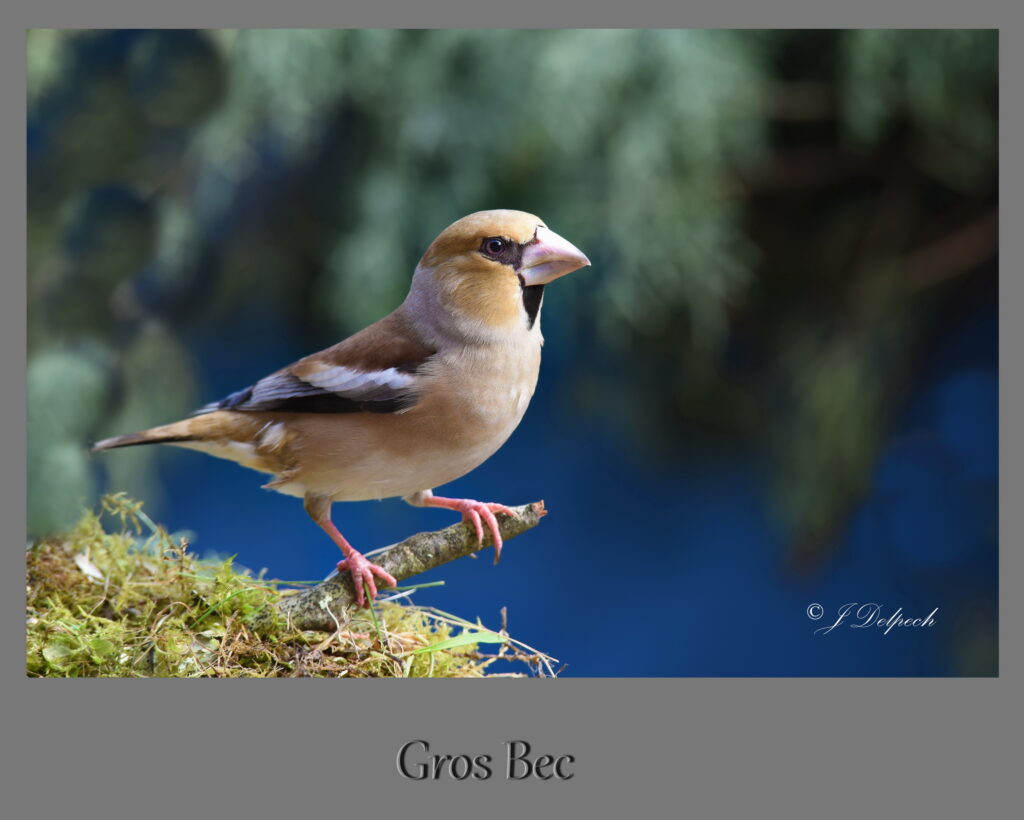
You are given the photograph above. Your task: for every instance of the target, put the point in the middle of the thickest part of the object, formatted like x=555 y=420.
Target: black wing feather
x=286 y=393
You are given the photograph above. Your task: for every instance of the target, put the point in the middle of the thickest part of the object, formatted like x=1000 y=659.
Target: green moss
x=129 y=600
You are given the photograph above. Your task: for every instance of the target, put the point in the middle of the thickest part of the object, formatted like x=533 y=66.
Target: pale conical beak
x=548 y=257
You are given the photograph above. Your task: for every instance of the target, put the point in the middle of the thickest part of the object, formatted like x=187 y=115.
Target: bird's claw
x=476 y=513
x=362 y=572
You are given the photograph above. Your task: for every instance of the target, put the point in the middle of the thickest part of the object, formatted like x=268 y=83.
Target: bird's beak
x=550 y=256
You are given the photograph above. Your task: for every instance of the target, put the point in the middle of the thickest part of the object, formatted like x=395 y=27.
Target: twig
x=417 y=553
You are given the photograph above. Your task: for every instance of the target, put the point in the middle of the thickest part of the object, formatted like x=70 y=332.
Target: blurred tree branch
x=800 y=101
x=955 y=253
x=806 y=169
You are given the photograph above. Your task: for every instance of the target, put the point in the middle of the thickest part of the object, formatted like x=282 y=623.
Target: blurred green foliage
x=759 y=207
x=943 y=82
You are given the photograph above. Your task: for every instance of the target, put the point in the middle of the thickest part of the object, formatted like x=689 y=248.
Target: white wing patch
x=360 y=384
x=271 y=435
x=277 y=390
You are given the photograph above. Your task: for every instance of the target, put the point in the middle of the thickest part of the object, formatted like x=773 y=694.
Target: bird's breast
x=477 y=397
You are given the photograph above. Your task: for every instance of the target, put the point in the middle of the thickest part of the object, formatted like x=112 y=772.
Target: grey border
x=698 y=747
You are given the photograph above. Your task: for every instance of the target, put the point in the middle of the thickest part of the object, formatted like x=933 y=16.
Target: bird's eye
x=494 y=245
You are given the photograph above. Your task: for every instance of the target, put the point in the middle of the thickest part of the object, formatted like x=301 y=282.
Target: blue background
x=669 y=570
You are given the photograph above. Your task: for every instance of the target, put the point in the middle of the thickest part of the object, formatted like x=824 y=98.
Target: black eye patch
x=504 y=250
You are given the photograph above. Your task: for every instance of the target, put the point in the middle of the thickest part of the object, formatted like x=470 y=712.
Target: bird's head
x=488 y=270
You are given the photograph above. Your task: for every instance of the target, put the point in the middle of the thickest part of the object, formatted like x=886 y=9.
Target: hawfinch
x=415 y=400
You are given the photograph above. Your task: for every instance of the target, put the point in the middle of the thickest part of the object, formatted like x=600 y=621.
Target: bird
x=414 y=401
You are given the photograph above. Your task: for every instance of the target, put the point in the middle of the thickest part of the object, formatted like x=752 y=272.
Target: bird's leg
x=361 y=570
x=473 y=512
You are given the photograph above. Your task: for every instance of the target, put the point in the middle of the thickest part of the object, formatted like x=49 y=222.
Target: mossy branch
x=310 y=609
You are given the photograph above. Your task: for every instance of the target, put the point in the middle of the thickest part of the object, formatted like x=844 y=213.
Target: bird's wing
x=374 y=371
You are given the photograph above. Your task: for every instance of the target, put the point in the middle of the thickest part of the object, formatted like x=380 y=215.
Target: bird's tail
x=175 y=433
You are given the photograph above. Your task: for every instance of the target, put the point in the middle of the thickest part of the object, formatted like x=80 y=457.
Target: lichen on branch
x=312 y=608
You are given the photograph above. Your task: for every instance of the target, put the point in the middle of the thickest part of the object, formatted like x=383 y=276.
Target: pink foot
x=356 y=564
x=476 y=513
x=362 y=572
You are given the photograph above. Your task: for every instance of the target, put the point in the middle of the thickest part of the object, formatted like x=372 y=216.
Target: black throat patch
x=532 y=296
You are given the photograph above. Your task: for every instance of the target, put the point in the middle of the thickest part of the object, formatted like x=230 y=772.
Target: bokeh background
x=776 y=386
